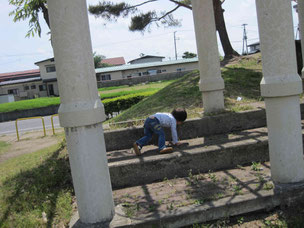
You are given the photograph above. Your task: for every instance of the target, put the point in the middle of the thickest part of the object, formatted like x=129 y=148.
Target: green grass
x=35 y=183
x=105 y=93
x=29 y=104
x=182 y=93
x=3 y=147
x=113 y=87
x=153 y=85
x=126 y=92
x=241 y=80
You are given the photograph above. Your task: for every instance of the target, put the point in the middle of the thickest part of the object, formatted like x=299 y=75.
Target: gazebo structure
x=81 y=112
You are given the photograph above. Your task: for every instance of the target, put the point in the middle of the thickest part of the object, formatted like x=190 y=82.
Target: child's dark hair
x=179 y=114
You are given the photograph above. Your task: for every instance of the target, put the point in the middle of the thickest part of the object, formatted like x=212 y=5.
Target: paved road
x=7 y=128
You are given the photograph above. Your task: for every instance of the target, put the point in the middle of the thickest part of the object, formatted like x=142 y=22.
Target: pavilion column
x=211 y=83
x=81 y=112
x=301 y=23
x=281 y=87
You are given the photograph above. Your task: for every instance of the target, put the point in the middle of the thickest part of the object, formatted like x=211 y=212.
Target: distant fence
x=142 y=79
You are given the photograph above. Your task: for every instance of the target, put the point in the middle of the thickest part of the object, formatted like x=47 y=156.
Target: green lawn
x=29 y=104
x=3 y=147
x=105 y=93
x=33 y=184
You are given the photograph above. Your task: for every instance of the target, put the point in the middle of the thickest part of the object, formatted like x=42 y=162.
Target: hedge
x=124 y=102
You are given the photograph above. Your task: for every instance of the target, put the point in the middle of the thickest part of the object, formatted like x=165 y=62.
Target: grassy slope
x=181 y=93
x=242 y=79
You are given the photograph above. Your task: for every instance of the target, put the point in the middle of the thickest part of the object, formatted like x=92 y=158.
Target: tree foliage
x=29 y=9
x=189 y=55
x=98 y=59
x=141 y=21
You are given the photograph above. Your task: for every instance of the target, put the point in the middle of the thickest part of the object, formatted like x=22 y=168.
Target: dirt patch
x=237 y=59
x=29 y=142
x=170 y=195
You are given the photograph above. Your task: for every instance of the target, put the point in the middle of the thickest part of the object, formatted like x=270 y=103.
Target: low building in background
x=48 y=75
x=22 y=84
x=254 y=48
x=117 y=61
x=42 y=82
x=145 y=69
x=147 y=59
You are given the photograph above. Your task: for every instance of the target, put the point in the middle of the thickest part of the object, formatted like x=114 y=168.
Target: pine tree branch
x=143 y=3
x=181 y=4
x=169 y=12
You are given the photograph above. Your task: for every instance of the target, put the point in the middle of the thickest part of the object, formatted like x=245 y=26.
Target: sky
x=113 y=39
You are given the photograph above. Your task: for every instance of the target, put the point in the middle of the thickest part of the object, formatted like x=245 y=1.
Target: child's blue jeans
x=151 y=126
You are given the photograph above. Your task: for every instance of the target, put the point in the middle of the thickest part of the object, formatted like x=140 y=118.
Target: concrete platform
x=199 y=198
x=201 y=155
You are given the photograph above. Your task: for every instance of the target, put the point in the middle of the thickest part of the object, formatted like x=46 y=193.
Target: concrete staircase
x=211 y=178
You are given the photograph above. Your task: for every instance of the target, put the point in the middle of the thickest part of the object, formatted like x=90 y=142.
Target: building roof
x=114 y=61
x=49 y=59
x=254 y=44
x=144 y=65
x=147 y=56
x=19 y=74
x=17 y=81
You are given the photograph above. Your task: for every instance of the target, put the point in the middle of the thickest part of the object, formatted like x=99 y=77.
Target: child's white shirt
x=167 y=120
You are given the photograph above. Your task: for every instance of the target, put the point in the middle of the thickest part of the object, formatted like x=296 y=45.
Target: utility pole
x=298 y=31
x=245 y=46
x=175 y=45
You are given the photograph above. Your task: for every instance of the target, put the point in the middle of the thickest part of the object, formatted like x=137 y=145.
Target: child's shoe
x=137 y=149
x=166 y=150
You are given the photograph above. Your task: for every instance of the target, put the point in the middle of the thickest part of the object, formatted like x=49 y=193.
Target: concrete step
x=199 y=198
x=200 y=156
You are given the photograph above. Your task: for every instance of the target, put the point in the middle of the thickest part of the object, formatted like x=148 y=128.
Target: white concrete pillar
x=81 y=112
x=211 y=83
x=281 y=86
x=301 y=24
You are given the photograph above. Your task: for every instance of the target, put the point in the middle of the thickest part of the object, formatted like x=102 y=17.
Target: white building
x=43 y=82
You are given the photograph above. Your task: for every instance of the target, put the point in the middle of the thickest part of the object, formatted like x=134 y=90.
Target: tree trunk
x=221 y=28
x=45 y=13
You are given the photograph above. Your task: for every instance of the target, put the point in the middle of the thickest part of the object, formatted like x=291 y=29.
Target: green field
x=104 y=93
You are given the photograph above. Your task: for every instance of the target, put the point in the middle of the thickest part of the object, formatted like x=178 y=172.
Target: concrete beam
x=81 y=112
x=301 y=24
x=211 y=83
x=281 y=87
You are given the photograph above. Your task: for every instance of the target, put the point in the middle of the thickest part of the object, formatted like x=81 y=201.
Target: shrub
x=124 y=102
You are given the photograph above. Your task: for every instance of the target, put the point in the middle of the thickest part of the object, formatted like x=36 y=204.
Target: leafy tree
x=189 y=55
x=29 y=9
x=142 y=21
x=98 y=59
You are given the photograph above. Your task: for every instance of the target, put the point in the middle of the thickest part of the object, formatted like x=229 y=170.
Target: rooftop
x=114 y=61
x=17 y=81
x=144 y=65
x=19 y=74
